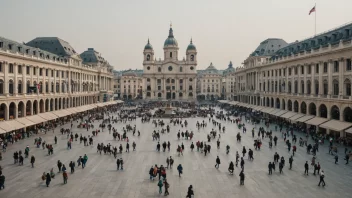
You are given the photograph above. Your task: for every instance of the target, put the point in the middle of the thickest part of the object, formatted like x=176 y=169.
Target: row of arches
x=13 y=110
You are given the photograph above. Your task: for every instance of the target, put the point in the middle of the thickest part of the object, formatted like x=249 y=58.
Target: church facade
x=170 y=78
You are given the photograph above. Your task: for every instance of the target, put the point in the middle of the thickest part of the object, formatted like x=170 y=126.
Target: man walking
x=32 y=161
x=270 y=168
x=306 y=166
x=217 y=162
x=322 y=178
x=290 y=160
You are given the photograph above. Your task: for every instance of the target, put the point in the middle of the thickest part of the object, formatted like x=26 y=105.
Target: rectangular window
x=1 y=44
x=296 y=70
x=19 y=69
x=309 y=69
x=11 y=68
x=336 y=66
x=289 y=71
x=302 y=69
x=181 y=88
x=52 y=73
x=159 y=87
x=325 y=68
x=0 y=67
x=57 y=73
x=62 y=74
x=28 y=69
x=348 y=65
x=34 y=71
x=317 y=68
x=46 y=72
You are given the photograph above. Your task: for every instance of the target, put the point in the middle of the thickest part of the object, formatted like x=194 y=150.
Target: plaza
x=101 y=179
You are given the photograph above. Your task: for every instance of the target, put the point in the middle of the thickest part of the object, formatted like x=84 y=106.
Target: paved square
x=100 y=178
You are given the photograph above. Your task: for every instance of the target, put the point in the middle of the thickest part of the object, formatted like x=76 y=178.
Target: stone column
x=312 y=81
x=305 y=77
x=341 y=81
x=15 y=81
x=24 y=82
x=299 y=80
x=320 y=78
x=330 y=71
x=6 y=79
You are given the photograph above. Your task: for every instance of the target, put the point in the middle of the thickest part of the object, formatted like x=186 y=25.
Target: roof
x=91 y=56
x=191 y=46
x=148 y=46
x=131 y=72
x=14 y=47
x=54 y=45
x=170 y=41
x=269 y=46
x=211 y=67
x=331 y=37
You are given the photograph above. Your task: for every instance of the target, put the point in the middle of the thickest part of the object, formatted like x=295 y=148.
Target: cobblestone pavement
x=100 y=178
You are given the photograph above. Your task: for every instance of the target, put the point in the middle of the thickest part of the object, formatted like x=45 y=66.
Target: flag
x=312 y=10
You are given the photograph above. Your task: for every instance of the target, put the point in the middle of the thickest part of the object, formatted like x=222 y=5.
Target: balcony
x=346 y=97
x=335 y=96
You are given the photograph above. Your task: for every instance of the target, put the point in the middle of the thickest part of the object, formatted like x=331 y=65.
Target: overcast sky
x=222 y=30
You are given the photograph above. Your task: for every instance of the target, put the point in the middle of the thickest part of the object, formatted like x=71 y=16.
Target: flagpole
x=315 y=20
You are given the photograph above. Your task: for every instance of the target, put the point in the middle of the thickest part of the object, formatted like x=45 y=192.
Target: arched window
x=159 y=69
x=170 y=54
x=168 y=80
x=192 y=57
x=46 y=87
x=172 y=80
x=180 y=69
x=148 y=57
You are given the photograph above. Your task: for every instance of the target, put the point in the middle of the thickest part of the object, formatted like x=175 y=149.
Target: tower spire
x=170 y=24
x=191 y=41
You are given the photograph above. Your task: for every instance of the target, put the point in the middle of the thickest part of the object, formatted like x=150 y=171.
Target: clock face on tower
x=170 y=68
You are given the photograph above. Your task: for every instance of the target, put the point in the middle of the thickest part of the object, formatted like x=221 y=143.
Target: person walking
x=72 y=166
x=306 y=167
x=167 y=162
x=85 y=159
x=32 y=161
x=322 y=178
x=241 y=178
x=190 y=192
x=217 y=162
x=270 y=166
x=118 y=163
x=336 y=158
x=231 y=167
x=121 y=162
x=48 y=179
x=2 y=181
x=290 y=160
x=180 y=169
x=160 y=185
x=167 y=186
x=64 y=174
x=59 y=165
x=171 y=162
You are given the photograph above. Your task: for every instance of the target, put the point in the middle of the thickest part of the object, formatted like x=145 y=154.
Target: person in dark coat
x=59 y=165
x=290 y=160
x=180 y=169
x=72 y=166
x=48 y=179
x=190 y=192
x=32 y=161
x=2 y=181
x=217 y=162
x=270 y=168
x=306 y=167
x=241 y=178
x=231 y=167
x=322 y=178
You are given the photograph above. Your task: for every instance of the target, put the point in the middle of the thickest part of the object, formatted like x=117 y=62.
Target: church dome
x=148 y=46
x=170 y=41
x=191 y=46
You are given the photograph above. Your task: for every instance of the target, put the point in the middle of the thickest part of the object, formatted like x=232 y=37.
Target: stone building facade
x=170 y=78
x=47 y=74
x=309 y=77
